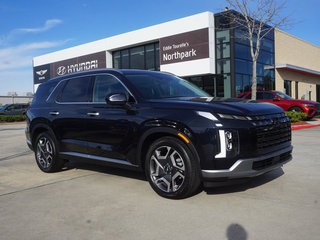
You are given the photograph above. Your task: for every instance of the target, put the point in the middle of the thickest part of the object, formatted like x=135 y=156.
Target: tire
x=171 y=168
x=46 y=153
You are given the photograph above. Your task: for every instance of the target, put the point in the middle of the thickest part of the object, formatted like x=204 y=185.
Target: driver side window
x=105 y=85
x=268 y=96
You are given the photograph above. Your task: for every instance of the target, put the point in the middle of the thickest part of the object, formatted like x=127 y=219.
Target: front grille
x=259 y=165
x=271 y=130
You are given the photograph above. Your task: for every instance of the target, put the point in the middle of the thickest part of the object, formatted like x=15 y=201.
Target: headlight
x=227 y=116
x=308 y=105
x=207 y=115
x=210 y=116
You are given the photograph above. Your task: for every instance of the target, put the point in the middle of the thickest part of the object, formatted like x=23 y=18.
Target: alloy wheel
x=167 y=169
x=44 y=152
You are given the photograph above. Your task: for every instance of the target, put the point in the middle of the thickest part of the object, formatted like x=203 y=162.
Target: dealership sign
x=78 y=64
x=185 y=47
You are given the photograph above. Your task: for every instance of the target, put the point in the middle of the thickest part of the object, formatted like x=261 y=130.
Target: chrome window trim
x=53 y=91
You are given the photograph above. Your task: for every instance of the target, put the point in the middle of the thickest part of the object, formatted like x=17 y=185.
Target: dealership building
x=201 y=49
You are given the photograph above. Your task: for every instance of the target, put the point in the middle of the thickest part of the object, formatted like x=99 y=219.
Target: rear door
x=69 y=115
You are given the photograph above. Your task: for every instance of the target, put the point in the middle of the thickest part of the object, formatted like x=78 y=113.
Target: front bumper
x=251 y=167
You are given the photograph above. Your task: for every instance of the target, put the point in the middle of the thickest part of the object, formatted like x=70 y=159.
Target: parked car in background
x=14 y=109
x=287 y=103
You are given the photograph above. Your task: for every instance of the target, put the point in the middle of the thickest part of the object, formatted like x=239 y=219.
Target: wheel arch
x=39 y=127
x=156 y=133
x=296 y=106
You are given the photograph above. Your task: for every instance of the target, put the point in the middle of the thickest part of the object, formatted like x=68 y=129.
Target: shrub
x=296 y=116
x=12 y=118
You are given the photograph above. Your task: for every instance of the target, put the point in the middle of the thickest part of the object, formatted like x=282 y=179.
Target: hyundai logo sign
x=61 y=70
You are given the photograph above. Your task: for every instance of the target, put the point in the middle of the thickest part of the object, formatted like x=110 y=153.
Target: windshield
x=3 y=107
x=153 y=85
x=284 y=96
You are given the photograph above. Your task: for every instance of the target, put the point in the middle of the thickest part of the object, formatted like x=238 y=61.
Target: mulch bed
x=299 y=123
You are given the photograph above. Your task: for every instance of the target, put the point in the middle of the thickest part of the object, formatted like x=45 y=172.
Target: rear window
x=43 y=92
x=77 y=90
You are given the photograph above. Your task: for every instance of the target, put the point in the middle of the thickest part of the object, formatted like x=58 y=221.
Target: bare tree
x=257 y=18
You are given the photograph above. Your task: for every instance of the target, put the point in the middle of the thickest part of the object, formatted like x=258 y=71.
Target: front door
x=111 y=129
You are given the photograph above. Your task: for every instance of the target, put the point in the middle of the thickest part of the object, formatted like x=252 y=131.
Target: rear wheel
x=46 y=153
x=171 y=168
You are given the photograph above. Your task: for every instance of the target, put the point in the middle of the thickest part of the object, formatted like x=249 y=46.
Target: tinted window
x=4 y=107
x=105 y=85
x=11 y=107
x=268 y=96
x=137 y=58
x=43 y=92
x=284 y=96
x=157 y=85
x=142 y=57
x=76 y=90
x=259 y=95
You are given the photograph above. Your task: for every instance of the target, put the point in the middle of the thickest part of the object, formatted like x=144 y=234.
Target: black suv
x=156 y=122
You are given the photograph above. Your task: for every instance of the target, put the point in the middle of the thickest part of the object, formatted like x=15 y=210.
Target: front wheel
x=296 y=109
x=46 y=153
x=171 y=168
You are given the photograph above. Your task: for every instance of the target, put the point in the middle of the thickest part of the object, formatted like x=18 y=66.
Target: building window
x=287 y=87
x=144 y=57
x=137 y=58
x=243 y=63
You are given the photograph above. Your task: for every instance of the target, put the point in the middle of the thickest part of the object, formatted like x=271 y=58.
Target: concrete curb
x=297 y=127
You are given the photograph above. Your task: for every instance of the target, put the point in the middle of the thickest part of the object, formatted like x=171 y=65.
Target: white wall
x=143 y=36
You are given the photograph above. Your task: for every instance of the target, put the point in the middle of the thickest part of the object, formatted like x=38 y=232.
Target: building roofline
x=300 y=39
x=297 y=69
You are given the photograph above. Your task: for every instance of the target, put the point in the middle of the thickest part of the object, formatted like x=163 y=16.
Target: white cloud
x=21 y=55
x=5 y=39
x=48 y=24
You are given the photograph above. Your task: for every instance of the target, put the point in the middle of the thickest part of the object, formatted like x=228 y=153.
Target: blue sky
x=32 y=28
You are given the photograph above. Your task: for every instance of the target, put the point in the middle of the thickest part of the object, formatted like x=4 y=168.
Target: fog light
x=228 y=140
x=228 y=143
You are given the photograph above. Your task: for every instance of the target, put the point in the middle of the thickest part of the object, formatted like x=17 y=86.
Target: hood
x=235 y=106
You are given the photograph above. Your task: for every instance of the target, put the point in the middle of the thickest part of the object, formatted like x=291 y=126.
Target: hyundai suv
x=287 y=103
x=157 y=123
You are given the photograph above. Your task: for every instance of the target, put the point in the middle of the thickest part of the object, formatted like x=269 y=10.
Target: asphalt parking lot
x=89 y=202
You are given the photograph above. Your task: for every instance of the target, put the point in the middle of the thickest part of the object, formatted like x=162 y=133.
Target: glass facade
x=234 y=61
x=232 y=56
x=243 y=63
x=142 y=57
x=223 y=63
x=212 y=84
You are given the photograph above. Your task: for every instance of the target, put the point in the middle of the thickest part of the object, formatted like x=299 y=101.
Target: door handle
x=54 y=113
x=93 y=114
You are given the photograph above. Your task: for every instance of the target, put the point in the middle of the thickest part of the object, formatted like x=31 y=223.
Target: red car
x=287 y=103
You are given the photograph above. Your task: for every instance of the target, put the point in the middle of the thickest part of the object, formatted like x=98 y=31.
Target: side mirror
x=119 y=99
x=276 y=99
